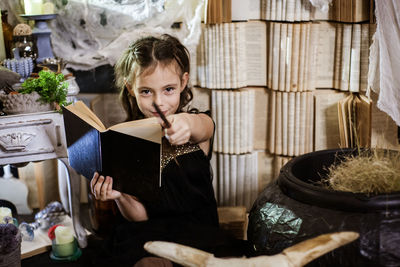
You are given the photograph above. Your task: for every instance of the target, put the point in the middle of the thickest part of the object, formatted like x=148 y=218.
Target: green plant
x=50 y=86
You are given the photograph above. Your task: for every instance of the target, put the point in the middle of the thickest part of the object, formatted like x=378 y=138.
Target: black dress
x=185 y=212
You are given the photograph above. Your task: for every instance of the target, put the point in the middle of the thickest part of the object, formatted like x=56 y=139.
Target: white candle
x=63 y=235
x=48 y=8
x=33 y=7
x=4 y=212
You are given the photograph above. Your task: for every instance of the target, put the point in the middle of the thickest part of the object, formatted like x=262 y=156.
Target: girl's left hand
x=180 y=131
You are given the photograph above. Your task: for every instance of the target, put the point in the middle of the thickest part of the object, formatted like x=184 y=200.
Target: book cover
x=130 y=152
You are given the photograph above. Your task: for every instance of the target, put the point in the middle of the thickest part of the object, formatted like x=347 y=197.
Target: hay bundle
x=370 y=173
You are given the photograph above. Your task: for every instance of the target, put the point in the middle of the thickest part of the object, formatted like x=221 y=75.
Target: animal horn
x=295 y=256
x=308 y=250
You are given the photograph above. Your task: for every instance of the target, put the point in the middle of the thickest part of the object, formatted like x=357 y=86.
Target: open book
x=354 y=114
x=129 y=152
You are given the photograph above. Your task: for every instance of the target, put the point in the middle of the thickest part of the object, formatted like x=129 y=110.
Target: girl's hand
x=101 y=188
x=180 y=131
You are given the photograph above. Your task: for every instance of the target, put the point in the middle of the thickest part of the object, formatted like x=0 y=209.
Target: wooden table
x=40 y=136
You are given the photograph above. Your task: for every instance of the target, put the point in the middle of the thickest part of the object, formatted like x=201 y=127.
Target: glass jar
x=24 y=46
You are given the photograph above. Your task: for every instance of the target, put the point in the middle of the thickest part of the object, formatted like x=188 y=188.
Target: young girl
x=157 y=70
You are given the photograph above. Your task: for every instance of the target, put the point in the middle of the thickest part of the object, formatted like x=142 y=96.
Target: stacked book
x=302 y=10
x=292 y=51
x=291 y=121
x=286 y=10
x=237 y=183
x=233 y=112
x=343 y=55
x=232 y=55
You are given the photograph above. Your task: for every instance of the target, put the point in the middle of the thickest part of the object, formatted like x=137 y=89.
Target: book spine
x=364 y=56
x=275 y=60
x=285 y=128
x=297 y=125
x=282 y=57
x=272 y=121
x=302 y=54
x=338 y=55
x=295 y=58
x=232 y=120
x=355 y=59
x=226 y=67
x=346 y=57
x=289 y=58
x=238 y=122
x=233 y=181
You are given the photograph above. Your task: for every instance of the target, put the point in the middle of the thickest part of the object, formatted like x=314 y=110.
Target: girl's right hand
x=101 y=188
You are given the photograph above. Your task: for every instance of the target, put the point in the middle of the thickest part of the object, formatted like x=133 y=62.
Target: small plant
x=51 y=87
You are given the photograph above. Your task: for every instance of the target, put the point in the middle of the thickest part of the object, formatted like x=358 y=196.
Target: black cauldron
x=294 y=209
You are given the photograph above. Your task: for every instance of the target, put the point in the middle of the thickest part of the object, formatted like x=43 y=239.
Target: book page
x=238 y=122
x=363 y=111
x=307 y=62
x=290 y=6
x=250 y=118
x=346 y=57
x=338 y=56
x=227 y=180
x=326 y=132
x=310 y=123
x=220 y=120
x=355 y=59
x=261 y=108
x=271 y=120
x=148 y=129
x=256 y=53
x=294 y=81
x=302 y=55
x=297 y=115
x=351 y=119
x=303 y=122
x=270 y=32
x=241 y=163
x=282 y=57
x=384 y=131
x=225 y=121
x=285 y=117
x=276 y=51
x=278 y=124
x=326 y=53
x=288 y=62
x=233 y=180
x=278 y=10
x=82 y=111
x=364 y=56
x=291 y=123
x=244 y=144
x=232 y=121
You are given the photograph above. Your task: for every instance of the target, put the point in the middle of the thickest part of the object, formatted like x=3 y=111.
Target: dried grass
x=370 y=173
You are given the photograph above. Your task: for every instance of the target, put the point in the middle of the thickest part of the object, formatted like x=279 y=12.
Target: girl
x=157 y=70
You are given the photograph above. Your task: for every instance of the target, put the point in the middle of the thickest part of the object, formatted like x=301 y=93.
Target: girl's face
x=163 y=85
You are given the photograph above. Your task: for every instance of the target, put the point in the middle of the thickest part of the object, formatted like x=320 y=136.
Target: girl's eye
x=145 y=92
x=169 y=90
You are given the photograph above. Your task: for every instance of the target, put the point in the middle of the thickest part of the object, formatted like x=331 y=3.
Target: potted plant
x=46 y=92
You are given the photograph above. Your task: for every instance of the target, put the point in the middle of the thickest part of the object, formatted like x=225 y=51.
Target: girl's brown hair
x=146 y=53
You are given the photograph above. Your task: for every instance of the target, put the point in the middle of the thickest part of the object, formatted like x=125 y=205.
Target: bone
x=295 y=256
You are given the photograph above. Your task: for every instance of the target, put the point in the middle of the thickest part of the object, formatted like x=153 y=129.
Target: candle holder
x=42 y=33
x=65 y=252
